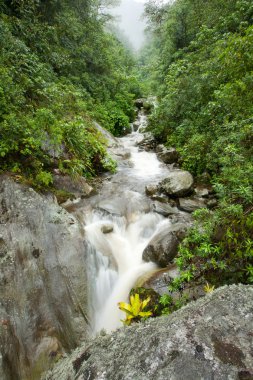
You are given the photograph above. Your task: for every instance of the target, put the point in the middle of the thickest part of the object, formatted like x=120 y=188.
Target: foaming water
x=118 y=258
x=145 y=164
x=118 y=229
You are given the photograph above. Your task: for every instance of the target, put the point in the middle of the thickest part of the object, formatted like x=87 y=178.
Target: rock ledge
x=208 y=339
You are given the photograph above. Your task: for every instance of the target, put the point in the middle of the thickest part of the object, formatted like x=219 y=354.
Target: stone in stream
x=43 y=282
x=167 y=155
x=107 y=228
x=151 y=189
x=148 y=142
x=139 y=103
x=163 y=246
x=191 y=204
x=164 y=209
x=121 y=153
x=136 y=125
x=210 y=338
x=178 y=183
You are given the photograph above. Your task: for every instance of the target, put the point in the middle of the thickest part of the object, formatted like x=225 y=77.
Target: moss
x=62 y=195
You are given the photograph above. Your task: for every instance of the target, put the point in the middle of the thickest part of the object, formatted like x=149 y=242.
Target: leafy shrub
x=53 y=83
x=135 y=310
x=219 y=249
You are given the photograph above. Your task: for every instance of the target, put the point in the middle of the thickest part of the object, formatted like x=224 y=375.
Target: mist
x=129 y=18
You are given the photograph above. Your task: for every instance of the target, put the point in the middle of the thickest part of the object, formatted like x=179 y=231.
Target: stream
x=119 y=223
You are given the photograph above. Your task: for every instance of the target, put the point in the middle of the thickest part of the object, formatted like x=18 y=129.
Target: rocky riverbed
x=208 y=339
x=65 y=267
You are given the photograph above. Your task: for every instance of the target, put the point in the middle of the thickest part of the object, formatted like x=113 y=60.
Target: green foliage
x=219 y=249
x=58 y=68
x=168 y=304
x=44 y=178
x=135 y=310
x=202 y=62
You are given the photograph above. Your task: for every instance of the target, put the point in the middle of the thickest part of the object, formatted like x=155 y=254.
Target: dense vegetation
x=60 y=69
x=201 y=65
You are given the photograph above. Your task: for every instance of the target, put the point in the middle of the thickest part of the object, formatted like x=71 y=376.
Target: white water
x=116 y=257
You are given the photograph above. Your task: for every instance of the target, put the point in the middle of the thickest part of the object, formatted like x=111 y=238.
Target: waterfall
x=118 y=228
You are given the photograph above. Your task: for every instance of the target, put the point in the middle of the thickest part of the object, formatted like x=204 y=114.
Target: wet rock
x=139 y=103
x=78 y=187
x=202 y=192
x=112 y=141
x=136 y=125
x=163 y=247
x=43 y=284
x=212 y=203
x=3 y=248
x=161 y=198
x=125 y=204
x=167 y=155
x=191 y=204
x=164 y=209
x=147 y=106
x=178 y=183
x=148 y=142
x=207 y=339
x=122 y=153
x=161 y=279
x=107 y=228
x=151 y=189
x=182 y=217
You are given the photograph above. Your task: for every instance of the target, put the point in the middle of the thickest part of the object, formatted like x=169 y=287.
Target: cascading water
x=118 y=226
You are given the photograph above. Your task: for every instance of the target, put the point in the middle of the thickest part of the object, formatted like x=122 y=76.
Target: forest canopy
x=200 y=66
x=60 y=69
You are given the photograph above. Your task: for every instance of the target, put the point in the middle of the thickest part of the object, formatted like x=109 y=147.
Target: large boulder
x=178 y=183
x=163 y=246
x=167 y=155
x=208 y=339
x=43 y=282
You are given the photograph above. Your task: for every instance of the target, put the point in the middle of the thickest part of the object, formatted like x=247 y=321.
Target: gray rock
x=202 y=192
x=112 y=141
x=148 y=142
x=182 y=217
x=151 y=189
x=107 y=228
x=191 y=204
x=139 y=103
x=122 y=153
x=136 y=125
x=210 y=339
x=161 y=279
x=78 y=187
x=160 y=198
x=212 y=203
x=163 y=247
x=164 y=209
x=147 y=106
x=167 y=155
x=178 y=183
x=43 y=284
